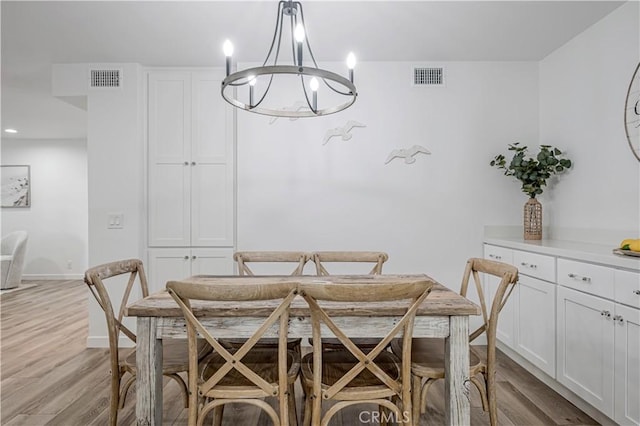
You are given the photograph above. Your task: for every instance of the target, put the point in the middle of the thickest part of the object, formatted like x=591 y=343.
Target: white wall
x=57 y=219
x=116 y=157
x=296 y=194
x=116 y=170
x=583 y=86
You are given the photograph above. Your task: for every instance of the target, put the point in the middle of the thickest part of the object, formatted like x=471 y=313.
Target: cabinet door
x=169 y=159
x=212 y=208
x=586 y=347
x=212 y=262
x=166 y=265
x=627 y=365
x=536 y=322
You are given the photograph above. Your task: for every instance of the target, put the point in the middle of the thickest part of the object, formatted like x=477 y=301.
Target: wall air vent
x=428 y=76
x=105 y=79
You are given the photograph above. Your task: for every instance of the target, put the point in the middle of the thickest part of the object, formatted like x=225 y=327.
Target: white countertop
x=589 y=252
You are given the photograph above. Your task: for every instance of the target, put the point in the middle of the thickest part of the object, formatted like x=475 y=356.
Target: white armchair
x=14 y=247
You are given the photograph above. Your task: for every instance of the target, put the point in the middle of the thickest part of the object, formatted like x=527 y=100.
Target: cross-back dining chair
x=175 y=359
x=243 y=258
x=428 y=354
x=349 y=376
x=375 y=258
x=322 y=258
x=248 y=374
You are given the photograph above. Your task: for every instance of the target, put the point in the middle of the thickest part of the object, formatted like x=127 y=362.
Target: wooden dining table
x=444 y=314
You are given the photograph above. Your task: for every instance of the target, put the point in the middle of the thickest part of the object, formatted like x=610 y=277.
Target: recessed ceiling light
x=10 y=130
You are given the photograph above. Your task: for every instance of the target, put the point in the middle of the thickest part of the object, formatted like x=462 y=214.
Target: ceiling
x=184 y=33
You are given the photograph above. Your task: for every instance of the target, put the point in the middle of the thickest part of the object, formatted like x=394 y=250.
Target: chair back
x=414 y=293
x=245 y=257
x=321 y=258
x=508 y=275
x=95 y=278
x=184 y=292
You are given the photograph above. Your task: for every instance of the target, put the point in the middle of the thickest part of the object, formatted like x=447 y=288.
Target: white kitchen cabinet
x=191 y=161
x=590 y=343
x=166 y=264
x=527 y=321
x=535 y=322
x=627 y=364
x=586 y=347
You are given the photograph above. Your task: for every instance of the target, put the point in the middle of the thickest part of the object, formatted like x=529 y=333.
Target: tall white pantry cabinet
x=190 y=176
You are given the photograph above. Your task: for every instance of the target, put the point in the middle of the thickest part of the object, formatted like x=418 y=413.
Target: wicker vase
x=532 y=220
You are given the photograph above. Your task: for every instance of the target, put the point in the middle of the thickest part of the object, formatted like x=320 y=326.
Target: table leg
x=456 y=367
x=149 y=373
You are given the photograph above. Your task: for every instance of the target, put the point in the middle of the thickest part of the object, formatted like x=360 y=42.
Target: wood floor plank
x=48 y=377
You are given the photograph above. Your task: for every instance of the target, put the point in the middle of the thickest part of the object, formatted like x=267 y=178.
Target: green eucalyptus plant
x=532 y=172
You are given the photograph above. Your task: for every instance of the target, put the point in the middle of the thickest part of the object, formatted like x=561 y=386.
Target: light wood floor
x=48 y=377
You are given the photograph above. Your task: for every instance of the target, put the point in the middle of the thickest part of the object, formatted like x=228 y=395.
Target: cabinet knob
x=193 y=163
x=619 y=319
x=529 y=265
x=495 y=256
x=186 y=163
x=193 y=257
x=636 y=292
x=605 y=314
x=186 y=258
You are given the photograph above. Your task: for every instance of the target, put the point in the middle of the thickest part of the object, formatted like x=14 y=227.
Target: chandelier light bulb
x=313 y=84
x=314 y=90
x=252 y=82
x=351 y=61
x=227 y=48
x=299 y=33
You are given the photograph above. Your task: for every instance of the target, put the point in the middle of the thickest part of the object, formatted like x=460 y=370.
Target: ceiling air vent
x=106 y=79
x=428 y=76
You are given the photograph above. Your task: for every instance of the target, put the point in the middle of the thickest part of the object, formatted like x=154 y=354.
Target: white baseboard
x=103 y=342
x=51 y=277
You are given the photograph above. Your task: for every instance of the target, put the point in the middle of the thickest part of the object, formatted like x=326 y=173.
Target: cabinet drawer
x=499 y=254
x=535 y=265
x=592 y=279
x=627 y=288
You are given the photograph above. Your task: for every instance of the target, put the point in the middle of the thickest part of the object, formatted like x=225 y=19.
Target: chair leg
x=482 y=391
x=125 y=390
x=114 y=401
x=382 y=412
x=423 y=395
x=218 y=412
x=416 y=383
x=490 y=381
x=316 y=410
x=183 y=388
x=293 y=414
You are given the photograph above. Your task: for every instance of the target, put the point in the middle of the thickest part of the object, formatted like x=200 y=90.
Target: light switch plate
x=115 y=221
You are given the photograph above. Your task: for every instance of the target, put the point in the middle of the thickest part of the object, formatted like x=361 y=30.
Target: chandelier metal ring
x=243 y=76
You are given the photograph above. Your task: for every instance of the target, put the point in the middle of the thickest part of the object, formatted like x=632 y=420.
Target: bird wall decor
x=343 y=131
x=407 y=153
x=297 y=106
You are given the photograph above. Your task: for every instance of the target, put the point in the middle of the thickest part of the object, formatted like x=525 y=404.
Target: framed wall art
x=16 y=186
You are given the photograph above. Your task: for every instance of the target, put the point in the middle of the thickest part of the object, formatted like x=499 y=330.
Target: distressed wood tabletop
x=441 y=301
